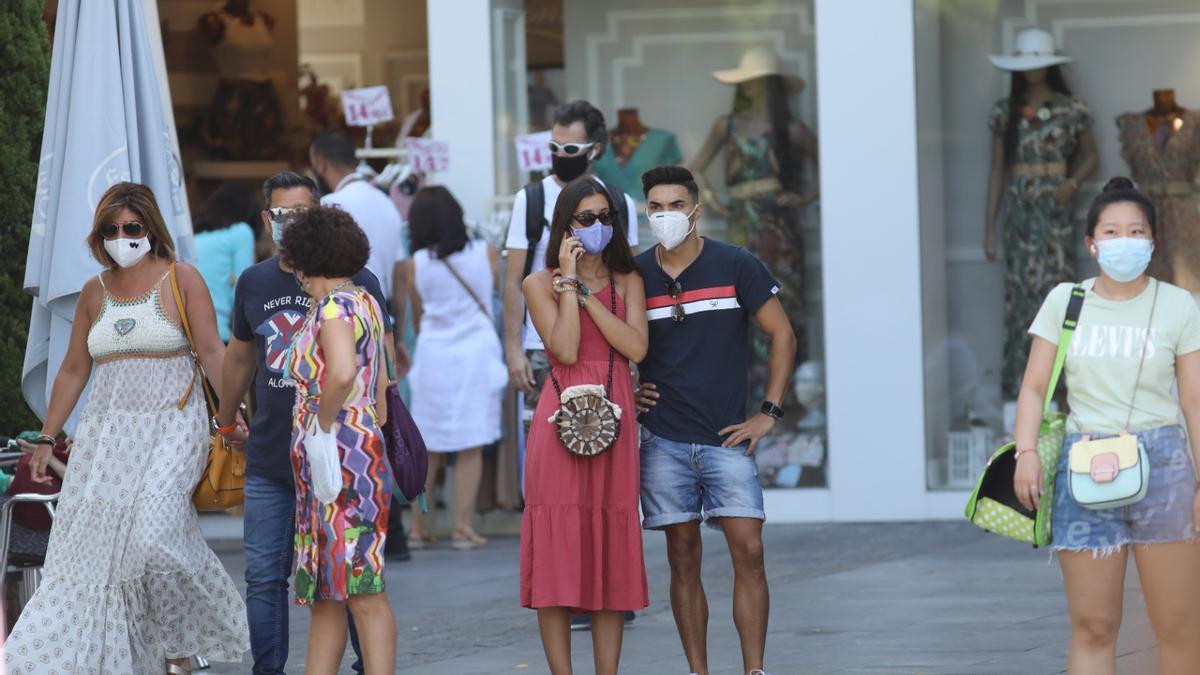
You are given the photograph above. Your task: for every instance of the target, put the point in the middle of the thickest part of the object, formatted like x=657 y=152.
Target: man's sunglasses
x=677 y=312
x=132 y=229
x=587 y=218
x=569 y=149
x=284 y=215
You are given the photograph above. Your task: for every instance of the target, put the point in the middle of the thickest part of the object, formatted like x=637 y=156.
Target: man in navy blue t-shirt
x=698 y=444
x=268 y=311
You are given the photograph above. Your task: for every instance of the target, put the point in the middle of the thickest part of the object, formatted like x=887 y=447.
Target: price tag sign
x=428 y=155
x=367 y=106
x=533 y=151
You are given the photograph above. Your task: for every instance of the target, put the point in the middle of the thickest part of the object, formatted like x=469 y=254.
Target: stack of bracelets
x=572 y=285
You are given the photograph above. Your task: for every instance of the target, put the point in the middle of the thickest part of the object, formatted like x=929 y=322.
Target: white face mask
x=670 y=228
x=127 y=252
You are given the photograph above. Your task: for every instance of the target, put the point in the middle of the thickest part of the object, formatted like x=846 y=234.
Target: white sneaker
x=757 y=672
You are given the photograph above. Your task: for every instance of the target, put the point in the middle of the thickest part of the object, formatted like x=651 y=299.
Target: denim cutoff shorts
x=1164 y=515
x=683 y=482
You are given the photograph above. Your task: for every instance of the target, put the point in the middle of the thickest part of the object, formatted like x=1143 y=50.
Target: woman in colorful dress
x=337 y=365
x=1042 y=149
x=130 y=585
x=581 y=544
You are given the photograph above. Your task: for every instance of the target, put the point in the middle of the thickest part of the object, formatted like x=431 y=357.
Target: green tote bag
x=993 y=505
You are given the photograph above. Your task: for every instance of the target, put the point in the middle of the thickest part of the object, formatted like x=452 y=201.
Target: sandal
x=418 y=541
x=466 y=539
x=175 y=669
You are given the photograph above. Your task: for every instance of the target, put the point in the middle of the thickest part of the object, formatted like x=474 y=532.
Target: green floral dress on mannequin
x=1040 y=236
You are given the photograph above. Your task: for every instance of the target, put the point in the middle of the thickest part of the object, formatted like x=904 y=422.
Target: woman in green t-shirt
x=1135 y=338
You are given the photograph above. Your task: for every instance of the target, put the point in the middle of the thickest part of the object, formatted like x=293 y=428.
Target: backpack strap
x=535 y=220
x=1070 y=322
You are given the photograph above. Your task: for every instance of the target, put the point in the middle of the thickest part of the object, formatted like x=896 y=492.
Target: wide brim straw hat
x=1034 y=48
x=759 y=62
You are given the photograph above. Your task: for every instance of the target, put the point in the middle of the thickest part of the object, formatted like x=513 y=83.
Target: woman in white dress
x=458 y=375
x=130 y=585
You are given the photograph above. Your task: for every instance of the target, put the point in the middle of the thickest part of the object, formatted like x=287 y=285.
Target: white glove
x=324 y=462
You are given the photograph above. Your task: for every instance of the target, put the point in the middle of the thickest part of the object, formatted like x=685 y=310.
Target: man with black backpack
x=578 y=138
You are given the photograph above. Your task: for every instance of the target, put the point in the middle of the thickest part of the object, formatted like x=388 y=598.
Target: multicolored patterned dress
x=339 y=546
x=1039 y=235
x=1165 y=165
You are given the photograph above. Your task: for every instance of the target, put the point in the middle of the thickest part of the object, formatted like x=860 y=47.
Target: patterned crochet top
x=135 y=328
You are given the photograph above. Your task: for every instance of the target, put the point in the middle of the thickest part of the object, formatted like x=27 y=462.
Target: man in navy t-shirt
x=268 y=311
x=697 y=448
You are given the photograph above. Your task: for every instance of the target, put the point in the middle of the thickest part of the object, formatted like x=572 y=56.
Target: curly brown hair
x=325 y=242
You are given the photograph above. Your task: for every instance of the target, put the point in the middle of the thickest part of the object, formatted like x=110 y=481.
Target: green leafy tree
x=24 y=79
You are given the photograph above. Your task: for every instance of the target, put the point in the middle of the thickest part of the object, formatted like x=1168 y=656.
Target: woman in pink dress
x=581 y=540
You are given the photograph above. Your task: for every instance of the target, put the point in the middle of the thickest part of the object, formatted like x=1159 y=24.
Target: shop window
x=1017 y=102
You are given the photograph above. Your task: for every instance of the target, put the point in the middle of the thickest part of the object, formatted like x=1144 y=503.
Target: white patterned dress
x=129 y=580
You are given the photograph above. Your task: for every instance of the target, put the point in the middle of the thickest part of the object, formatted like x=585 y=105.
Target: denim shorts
x=683 y=482
x=1164 y=515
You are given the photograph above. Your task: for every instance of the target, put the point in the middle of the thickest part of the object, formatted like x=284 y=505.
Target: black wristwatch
x=771 y=410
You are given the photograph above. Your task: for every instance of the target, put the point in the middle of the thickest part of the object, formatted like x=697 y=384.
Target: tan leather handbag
x=224 y=476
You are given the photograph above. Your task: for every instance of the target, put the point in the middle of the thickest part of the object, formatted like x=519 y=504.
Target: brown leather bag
x=224 y=477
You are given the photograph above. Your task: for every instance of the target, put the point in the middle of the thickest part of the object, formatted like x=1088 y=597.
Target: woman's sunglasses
x=569 y=149
x=131 y=229
x=587 y=218
x=675 y=289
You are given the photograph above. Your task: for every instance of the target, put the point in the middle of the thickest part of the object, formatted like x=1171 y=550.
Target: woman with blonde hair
x=130 y=585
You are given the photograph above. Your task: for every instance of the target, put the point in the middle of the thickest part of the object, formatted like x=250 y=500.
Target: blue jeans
x=685 y=482
x=270 y=525
x=1163 y=515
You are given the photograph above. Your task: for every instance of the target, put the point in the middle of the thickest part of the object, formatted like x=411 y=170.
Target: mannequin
x=245 y=120
x=1162 y=147
x=765 y=150
x=1042 y=149
x=635 y=149
x=628 y=135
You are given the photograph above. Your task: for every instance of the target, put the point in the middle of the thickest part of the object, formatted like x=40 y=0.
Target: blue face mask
x=594 y=238
x=277 y=232
x=1125 y=258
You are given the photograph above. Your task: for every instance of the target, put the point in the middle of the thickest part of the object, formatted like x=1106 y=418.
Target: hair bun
x=1119 y=183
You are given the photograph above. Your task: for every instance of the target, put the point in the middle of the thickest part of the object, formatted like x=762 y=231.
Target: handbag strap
x=387 y=360
x=1070 y=323
x=612 y=302
x=209 y=394
x=1142 y=357
x=463 y=282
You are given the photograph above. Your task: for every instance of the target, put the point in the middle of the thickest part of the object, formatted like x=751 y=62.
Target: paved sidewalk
x=855 y=598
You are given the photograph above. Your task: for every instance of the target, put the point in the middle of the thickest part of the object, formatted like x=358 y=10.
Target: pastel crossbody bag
x=1107 y=473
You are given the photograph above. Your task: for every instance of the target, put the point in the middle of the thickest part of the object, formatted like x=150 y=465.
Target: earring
x=307 y=285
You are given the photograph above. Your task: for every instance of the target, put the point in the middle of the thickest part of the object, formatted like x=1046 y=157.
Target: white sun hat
x=1034 y=48
x=758 y=62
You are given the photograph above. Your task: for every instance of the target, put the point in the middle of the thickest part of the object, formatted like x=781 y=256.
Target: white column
x=461 y=98
x=871 y=254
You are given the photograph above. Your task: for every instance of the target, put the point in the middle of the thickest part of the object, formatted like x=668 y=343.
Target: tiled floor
x=871 y=598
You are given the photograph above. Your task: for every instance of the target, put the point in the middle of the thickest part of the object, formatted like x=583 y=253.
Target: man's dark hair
x=592 y=119
x=325 y=242
x=334 y=146
x=435 y=222
x=286 y=180
x=670 y=175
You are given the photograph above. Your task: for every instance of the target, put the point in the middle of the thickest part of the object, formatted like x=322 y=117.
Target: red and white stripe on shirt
x=694 y=302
